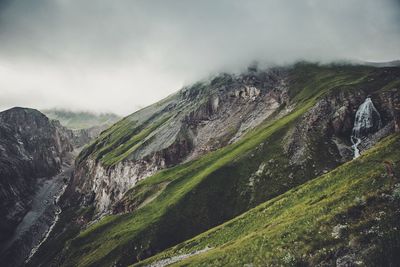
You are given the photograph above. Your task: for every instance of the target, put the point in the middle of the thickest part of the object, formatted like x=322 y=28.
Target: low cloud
x=122 y=55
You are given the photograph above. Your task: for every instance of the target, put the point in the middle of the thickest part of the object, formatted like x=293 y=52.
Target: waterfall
x=368 y=120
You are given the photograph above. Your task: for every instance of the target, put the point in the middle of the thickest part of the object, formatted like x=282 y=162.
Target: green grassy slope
x=298 y=228
x=115 y=144
x=127 y=135
x=108 y=240
x=191 y=198
x=175 y=211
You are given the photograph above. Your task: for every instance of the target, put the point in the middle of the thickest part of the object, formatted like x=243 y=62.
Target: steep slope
x=36 y=161
x=31 y=147
x=304 y=136
x=196 y=120
x=348 y=217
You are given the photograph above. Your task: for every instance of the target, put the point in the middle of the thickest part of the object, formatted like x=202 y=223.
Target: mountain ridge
x=78 y=120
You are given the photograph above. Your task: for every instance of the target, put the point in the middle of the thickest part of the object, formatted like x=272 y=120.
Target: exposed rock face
x=391 y=99
x=198 y=120
x=207 y=116
x=31 y=147
x=331 y=122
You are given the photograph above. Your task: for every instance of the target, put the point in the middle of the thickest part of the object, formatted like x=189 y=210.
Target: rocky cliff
x=197 y=120
x=31 y=147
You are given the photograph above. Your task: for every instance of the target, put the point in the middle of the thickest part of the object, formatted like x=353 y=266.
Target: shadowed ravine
x=38 y=220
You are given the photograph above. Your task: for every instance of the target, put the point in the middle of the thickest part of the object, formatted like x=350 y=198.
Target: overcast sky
x=118 y=56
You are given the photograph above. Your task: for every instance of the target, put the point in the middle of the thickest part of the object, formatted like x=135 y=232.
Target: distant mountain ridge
x=394 y=63
x=77 y=120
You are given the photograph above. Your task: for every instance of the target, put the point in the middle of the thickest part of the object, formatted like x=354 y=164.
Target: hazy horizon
x=118 y=57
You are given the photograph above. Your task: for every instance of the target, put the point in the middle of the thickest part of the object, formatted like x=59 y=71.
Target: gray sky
x=118 y=56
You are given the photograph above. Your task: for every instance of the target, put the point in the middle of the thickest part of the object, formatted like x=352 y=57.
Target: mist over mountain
x=200 y=133
x=120 y=57
x=77 y=120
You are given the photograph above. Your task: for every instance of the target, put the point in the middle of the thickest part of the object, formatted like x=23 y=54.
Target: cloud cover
x=122 y=55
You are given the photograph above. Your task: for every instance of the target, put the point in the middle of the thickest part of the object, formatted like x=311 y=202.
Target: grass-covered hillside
x=349 y=215
x=81 y=119
x=291 y=224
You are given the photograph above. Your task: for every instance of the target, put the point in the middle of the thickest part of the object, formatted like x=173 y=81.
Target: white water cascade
x=368 y=120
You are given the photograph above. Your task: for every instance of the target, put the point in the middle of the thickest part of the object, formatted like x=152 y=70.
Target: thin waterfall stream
x=367 y=120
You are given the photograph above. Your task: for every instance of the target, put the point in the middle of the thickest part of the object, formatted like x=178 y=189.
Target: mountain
x=32 y=148
x=36 y=162
x=236 y=159
x=80 y=120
